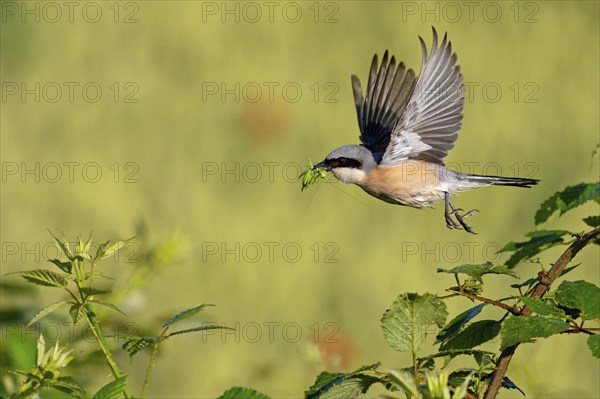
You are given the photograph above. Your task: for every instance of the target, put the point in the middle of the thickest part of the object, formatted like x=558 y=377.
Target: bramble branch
x=545 y=280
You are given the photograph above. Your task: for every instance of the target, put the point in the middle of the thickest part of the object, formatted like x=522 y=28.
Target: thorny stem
x=415 y=368
x=545 y=281
x=151 y=362
x=490 y=301
x=97 y=331
x=150 y=366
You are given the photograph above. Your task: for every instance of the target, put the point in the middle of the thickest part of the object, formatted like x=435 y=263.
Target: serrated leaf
x=186 y=314
x=43 y=277
x=93 y=291
x=477 y=271
x=343 y=386
x=461 y=391
x=592 y=221
x=67 y=385
x=473 y=335
x=452 y=353
x=517 y=329
x=456 y=324
x=81 y=252
x=580 y=295
x=484 y=359
x=568 y=269
x=405 y=323
x=112 y=390
x=543 y=308
x=540 y=240
x=62 y=244
x=198 y=329
x=242 y=393
x=74 y=311
x=64 y=266
x=529 y=282
x=100 y=251
x=404 y=381
x=570 y=198
x=108 y=305
x=104 y=251
x=40 y=347
x=135 y=344
x=593 y=342
x=47 y=310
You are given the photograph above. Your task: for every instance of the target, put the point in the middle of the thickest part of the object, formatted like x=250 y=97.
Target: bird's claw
x=461 y=218
x=452 y=213
x=450 y=223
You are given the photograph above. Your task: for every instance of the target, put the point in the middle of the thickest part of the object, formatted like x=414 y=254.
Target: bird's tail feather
x=499 y=180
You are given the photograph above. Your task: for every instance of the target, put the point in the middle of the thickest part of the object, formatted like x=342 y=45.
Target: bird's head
x=349 y=163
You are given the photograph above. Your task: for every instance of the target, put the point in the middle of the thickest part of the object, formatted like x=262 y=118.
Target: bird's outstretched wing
x=430 y=122
x=388 y=91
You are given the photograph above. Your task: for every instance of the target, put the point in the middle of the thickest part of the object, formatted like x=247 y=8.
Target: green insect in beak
x=311 y=175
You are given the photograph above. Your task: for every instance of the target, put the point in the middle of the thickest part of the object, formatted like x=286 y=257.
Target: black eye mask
x=342 y=163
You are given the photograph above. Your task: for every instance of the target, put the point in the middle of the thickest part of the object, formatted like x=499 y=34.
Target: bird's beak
x=320 y=165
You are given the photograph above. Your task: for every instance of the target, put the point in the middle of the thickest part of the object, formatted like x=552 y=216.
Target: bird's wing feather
x=388 y=91
x=432 y=118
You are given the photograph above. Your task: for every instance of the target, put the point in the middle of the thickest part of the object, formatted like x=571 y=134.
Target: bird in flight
x=408 y=125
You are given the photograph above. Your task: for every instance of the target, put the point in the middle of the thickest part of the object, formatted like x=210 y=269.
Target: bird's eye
x=343 y=162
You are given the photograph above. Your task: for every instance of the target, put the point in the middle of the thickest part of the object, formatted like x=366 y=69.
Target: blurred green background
x=206 y=113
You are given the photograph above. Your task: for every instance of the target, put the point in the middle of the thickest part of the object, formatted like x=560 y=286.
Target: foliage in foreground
x=78 y=276
x=531 y=311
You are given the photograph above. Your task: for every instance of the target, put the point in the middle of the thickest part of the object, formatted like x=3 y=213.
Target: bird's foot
x=461 y=218
x=450 y=223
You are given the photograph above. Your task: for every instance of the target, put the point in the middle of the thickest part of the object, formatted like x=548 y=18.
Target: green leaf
x=201 y=328
x=74 y=311
x=63 y=245
x=405 y=382
x=108 y=305
x=474 y=335
x=405 y=323
x=47 y=310
x=87 y=291
x=43 y=277
x=343 y=385
x=40 y=350
x=594 y=344
x=543 y=308
x=186 y=314
x=100 y=251
x=570 y=198
x=104 y=251
x=458 y=322
x=64 y=266
x=67 y=385
x=135 y=344
x=527 y=283
x=580 y=295
x=242 y=393
x=539 y=241
x=462 y=390
x=517 y=329
x=452 y=353
x=593 y=221
x=476 y=271
x=568 y=269
x=112 y=390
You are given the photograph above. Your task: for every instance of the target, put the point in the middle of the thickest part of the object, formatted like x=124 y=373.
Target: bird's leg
x=460 y=218
x=448 y=212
